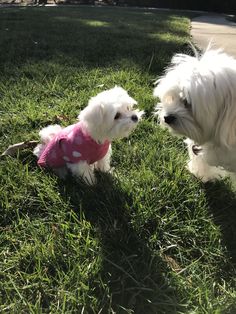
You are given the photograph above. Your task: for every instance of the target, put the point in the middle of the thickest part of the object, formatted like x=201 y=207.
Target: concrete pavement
x=215 y=29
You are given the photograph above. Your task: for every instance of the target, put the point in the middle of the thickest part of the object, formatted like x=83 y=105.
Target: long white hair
x=207 y=84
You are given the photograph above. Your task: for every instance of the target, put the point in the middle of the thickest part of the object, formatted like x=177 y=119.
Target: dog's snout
x=134 y=118
x=169 y=119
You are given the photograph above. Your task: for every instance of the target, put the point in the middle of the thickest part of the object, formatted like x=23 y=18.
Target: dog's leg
x=61 y=172
x=198 y=166
x=83 y=170
x=104 y=163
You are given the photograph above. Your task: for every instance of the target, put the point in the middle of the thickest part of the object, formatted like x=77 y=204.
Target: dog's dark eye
x=117 y=116
x=186 y=104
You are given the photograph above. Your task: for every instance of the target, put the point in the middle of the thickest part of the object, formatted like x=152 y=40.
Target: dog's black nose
x=134 y=118
x=169 y=119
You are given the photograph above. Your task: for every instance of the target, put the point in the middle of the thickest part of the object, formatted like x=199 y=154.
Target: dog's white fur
x=99 y=121
x=198 y=101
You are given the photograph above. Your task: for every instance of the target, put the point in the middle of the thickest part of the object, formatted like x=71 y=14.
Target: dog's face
x=198 y=98
x=177 y=113
x=110 y=115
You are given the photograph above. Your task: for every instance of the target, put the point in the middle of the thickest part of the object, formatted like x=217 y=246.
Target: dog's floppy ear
x=93 y=113
x=93 y=118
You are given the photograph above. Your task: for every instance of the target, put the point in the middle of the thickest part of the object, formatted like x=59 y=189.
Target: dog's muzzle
x=169 y=119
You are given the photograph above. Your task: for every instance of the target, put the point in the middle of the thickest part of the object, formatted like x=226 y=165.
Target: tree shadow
x=132 y=276
x=222 y=205
x=90 y=37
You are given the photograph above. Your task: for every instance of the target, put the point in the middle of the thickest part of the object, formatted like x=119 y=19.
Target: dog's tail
x=46 y=135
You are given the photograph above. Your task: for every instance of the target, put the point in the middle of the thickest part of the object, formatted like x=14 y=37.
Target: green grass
x=148 y=239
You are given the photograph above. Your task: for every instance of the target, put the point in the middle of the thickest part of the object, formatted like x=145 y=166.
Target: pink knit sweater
x=71 y=145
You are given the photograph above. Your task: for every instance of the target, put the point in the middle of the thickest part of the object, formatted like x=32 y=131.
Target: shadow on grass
x=131 y=277
x=90 y=37
x=222 y=205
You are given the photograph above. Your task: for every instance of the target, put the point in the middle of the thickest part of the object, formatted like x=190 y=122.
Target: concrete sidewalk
x=216 y=29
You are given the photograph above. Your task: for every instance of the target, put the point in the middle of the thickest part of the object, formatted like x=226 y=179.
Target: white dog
x=198 y=101
x=86 y=145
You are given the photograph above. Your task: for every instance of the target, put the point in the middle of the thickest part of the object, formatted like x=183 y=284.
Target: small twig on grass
x=151 y=61
x=13 y=149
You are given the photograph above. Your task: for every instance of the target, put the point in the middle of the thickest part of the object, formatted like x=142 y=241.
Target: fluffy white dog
x=198 y=101
x=86 y=145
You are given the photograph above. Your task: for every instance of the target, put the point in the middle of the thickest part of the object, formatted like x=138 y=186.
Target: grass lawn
x=149 y=239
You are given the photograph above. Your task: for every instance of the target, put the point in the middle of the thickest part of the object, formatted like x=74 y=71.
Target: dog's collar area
x=196 y=149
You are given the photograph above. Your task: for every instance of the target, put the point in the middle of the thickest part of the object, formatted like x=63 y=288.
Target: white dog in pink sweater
x=86 y=145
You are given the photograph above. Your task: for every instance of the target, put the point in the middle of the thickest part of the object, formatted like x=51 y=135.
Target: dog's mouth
x=185 y=127
x=170 y=121
x=124 y=125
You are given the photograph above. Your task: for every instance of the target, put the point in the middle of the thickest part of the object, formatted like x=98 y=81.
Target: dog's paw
x=205 y=172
